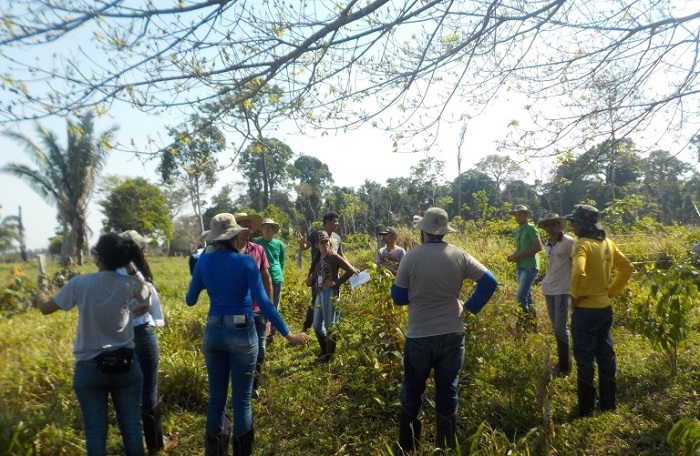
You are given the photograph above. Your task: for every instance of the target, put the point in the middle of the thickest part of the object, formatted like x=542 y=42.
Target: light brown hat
x=255 y=220
x=222 y=227
x=521 y=208
x=272 y=223
x=551 y=216
x=133 y=235
x=435 y=222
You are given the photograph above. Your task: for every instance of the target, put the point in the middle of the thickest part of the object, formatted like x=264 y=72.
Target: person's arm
x=267 y=283
x=268 y=309
x=342 y=263
x=196 y=285
x=399 y=295
x=303 y=244
x=485 y=287
x=532 y=251
x=45 y=303
x=283 y=255
x=623 y=272
x=578 y=272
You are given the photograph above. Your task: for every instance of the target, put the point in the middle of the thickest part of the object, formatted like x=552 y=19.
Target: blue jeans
x=444 y=354
x=148 y=356
x=326 y=315
x=261 y=331
x=525 y=277
x=230 y=352
x=92 y=388
x=558 y=310
x=590 y=331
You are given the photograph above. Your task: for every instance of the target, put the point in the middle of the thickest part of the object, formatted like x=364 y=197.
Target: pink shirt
x=257 y=252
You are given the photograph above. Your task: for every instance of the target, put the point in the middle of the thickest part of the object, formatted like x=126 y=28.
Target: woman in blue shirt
x=230 y=342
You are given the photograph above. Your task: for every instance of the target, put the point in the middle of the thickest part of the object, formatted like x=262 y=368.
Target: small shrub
x=684 y=437
x=664 y=318
x=16 y=293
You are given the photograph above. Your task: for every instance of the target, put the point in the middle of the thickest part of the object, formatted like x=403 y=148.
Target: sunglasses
x=550 y=224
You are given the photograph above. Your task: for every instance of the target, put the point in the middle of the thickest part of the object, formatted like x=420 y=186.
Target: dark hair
x=228 y=244
x=139 y=260
x=431 y=237
x=113 y=251
x=330 y=216
x=116 y=252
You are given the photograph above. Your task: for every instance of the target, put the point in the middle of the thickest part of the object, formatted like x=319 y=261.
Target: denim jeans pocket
x=241 y=336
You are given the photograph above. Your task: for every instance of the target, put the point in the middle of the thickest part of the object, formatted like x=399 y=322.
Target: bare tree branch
x=405 y=66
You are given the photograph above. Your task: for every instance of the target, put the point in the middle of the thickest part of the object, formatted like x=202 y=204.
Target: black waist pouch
x=116 y=361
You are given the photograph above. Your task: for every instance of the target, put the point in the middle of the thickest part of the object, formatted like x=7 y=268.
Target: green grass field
x=509 y=402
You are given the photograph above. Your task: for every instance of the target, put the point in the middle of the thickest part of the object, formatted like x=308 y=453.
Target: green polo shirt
x=524 y=238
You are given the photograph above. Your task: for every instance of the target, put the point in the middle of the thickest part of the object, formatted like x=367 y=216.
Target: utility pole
x=22 y=242
x=462 y=133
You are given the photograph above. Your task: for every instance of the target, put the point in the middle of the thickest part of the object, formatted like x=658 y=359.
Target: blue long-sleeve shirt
x=230 y=278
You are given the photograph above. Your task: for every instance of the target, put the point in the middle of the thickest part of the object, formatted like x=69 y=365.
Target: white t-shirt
x=105 y=301
x=557 y=280
x=154 y=316
x=433 y=274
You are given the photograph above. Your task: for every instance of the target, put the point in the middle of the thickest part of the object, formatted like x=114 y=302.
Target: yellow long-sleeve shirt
x=592 y=282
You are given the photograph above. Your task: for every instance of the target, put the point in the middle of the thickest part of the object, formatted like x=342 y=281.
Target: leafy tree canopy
x=137 y=205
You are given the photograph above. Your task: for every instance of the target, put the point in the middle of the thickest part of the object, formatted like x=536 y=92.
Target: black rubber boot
x=446 y=431
x=608 y=392
x=153 y=429
x=586 y=398
x=323 y=343
x=243 y=444
x=331 y=343
x=217 y=444
x=212 y=442
x=309 y=320
x=563 y=367
x=255 y=394
x=409 y=431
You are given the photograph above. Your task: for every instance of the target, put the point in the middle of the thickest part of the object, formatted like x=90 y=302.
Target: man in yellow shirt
x=592 y=285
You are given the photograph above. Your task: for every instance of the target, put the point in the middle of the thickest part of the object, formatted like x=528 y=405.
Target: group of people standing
x=116 y=350
x=429 y=280
x=579 y=276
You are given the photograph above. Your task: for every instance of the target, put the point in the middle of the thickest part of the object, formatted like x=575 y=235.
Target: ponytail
x=135 y=254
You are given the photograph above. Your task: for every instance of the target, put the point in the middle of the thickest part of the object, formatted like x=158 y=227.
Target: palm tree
x=9 y=231
x=65 y=177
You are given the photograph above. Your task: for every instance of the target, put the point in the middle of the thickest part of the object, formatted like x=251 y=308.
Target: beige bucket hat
x=222 y=227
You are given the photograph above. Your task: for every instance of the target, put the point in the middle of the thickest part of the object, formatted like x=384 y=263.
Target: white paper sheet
x=359 y=279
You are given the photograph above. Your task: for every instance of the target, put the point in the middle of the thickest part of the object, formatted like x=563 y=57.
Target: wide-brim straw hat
x=139 y=239
x=435 y=222
x=521 y=208
x=272 y=223
x=255 y=220
x=549 y=217
x=222 y=227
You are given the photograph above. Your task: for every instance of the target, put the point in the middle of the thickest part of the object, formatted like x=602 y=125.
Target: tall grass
x=509 y=402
